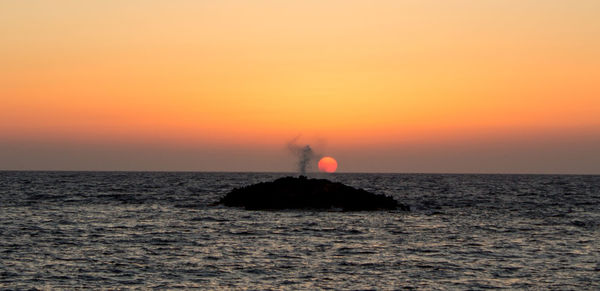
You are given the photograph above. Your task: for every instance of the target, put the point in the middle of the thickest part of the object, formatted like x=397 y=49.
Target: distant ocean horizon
x=158 y=229
x=311 y=173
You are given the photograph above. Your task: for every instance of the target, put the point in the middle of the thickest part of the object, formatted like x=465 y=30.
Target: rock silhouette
x=304 y=193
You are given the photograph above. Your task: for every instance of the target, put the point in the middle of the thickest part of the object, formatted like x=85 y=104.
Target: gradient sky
x=382 y=86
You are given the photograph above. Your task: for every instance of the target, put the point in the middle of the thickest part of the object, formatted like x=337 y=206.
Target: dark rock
x=304 y=193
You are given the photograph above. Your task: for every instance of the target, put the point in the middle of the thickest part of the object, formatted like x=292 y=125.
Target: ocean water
x=68 y=230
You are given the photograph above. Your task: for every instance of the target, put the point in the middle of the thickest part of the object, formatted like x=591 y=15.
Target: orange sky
x=212 y=78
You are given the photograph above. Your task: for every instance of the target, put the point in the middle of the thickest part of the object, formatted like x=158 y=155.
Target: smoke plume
x=304 y=153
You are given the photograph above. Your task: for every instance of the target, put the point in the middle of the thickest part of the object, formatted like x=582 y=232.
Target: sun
x=327 y=164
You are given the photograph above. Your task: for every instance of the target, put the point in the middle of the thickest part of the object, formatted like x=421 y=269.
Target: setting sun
x=327 y=165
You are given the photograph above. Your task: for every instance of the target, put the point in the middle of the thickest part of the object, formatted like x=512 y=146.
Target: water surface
x=150 y=230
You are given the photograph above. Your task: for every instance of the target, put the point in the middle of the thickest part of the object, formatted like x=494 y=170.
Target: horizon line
x=322 y=173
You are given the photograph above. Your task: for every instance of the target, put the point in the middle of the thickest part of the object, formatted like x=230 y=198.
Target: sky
x=424 y=86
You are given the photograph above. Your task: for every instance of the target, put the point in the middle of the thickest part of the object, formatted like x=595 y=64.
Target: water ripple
x=70 y=230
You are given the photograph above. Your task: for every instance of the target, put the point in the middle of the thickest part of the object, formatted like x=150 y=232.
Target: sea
x=161 y=230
